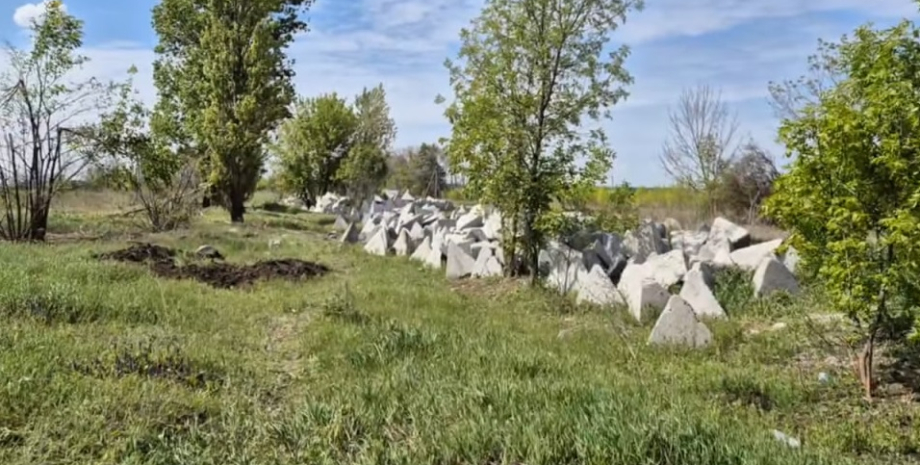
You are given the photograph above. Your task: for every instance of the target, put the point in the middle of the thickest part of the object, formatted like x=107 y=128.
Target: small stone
x=788 y=440
x=207 y=251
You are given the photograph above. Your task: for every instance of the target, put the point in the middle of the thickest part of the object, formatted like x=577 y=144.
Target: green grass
x=384 y=362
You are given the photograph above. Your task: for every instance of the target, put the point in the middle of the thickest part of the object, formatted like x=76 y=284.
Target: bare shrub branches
x=701 y=144
x=44 y=118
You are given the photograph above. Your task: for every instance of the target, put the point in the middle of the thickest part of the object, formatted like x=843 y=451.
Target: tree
x=789 y=98
x=164 y=180
x=225 y=84
x=398 y=175
x=365 y=168
x=426 y=175
x=362 y=172
x=701 y=144
x=746 y=183
x=850 y=198
x=528 y=73
x=313 y=143
x=46 y=117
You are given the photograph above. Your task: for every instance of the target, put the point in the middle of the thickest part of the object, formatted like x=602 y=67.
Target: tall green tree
x=426 y=175
x=365 y=169
x=398 y=175
x=225 y=84
x=312 y=144
x=850 y=198
x=531 y=83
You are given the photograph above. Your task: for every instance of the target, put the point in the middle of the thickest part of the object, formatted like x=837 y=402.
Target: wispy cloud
x=675 y=18
x=26 y=15
x=736 y=45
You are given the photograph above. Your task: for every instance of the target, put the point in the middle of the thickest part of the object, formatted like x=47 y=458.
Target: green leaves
x=531 y=84
x=850 y=196
x=224 y=83
x=312 y=143
x=329 y=145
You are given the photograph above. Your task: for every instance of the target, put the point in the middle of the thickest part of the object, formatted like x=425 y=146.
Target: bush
x=746 y=183
x=616 y=210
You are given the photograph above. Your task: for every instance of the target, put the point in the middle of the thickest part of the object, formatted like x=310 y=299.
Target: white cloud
x=27 y=14
x=403 y=43
x=672 y=18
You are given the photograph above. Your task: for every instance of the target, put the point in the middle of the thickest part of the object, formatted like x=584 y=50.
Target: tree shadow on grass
x=899 y=371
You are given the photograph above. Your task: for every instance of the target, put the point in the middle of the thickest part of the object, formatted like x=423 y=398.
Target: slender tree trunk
x=38 y=223
x=237 y=209
x=864 y=367
x=509 y=231
x=209 y=198
x=237 y=203
x=531 y=248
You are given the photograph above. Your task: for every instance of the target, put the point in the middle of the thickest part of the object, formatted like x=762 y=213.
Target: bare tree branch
x=702 y=140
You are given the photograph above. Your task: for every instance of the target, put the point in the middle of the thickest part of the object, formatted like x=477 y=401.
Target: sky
x=737 y=46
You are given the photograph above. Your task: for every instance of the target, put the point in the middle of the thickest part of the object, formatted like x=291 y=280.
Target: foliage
x=617 y=212
x=43 y=118
x=164 y=182
x=399 y=176
x=407 y=368
x=530 y=84
x=419 y=170
x=789 y=98
x=365 y=168
x=312 y=144
x=225 y=84
x=701 y=144
x=851 y=198
x=363 y=171
x=746 y=183
x=330 y=146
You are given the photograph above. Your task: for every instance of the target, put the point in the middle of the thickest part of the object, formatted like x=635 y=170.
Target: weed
x=150 y=359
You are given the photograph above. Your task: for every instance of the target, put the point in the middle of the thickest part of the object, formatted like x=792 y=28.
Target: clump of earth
x=222 y=275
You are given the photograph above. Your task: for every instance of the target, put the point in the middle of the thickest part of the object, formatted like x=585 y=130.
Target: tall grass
x=383 y=361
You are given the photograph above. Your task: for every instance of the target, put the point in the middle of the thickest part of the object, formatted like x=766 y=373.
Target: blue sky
x=738 y=46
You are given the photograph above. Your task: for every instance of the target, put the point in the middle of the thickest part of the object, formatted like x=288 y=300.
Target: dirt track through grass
x=385 y=362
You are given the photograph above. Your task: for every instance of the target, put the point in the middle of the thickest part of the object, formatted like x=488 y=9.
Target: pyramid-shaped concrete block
x=772 y=276
x=723 y=230
x=379 y=243
x=679 y=325
x=435 y=257
x=749 y=258
x=667 y=269
x=423 y=250
x=697 y=292
x=596 y=287
x=417 y=232
x=340 y=223
x=472 y=219
x=642 y=293
x=351 y=234
x=486 y=264
x=403 y=246
x=459 y=263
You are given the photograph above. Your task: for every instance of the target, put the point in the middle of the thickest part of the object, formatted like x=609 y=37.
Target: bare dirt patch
x=222 y=275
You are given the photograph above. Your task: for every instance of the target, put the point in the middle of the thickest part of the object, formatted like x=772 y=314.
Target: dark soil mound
x=216 y=274
x=229 y=275
x=140 y=253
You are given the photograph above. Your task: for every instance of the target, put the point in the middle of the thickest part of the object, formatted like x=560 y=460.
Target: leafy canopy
x=225 y=83
x=331 y=146
x=312 y=144
x=531 y=82
x=851 y=198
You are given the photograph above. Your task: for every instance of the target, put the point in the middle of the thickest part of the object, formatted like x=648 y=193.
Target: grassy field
x=382 y=362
